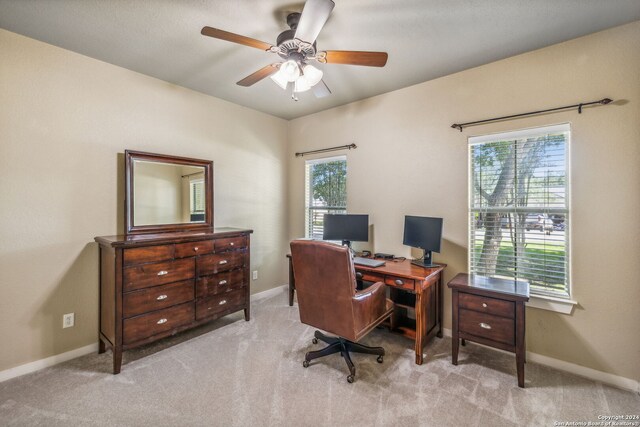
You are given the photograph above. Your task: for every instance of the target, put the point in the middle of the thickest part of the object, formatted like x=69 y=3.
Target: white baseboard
x=30 y=367
x=572 y=368
x=269 y=293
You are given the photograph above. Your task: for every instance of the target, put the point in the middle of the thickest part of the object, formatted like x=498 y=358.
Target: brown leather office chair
x=328 y=300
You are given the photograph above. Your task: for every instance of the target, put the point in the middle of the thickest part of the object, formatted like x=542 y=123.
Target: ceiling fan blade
x=321 y=90
x=352 y=57
x=314 y=15
x=259 y=75
x=234 y=38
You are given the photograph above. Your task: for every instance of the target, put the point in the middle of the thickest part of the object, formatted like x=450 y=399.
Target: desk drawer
x=214 y=304
x=367 y=276
x=156 y=298
x=487 y=305
x=146 y=325
x=217 y=263
x=147 y=254
x=494 y=328
x=194 y=248
x=400 y=282
x=231 y=243
x=158 y=273
x=219 y=283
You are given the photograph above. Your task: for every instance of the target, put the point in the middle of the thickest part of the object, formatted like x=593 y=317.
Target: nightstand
x=491 y=312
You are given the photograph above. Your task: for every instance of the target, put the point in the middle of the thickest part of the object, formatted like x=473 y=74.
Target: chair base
x=342 y=346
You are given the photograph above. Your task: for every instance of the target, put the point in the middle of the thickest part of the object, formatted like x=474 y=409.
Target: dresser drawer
x=146 y=325
x=494 y=328
x=400 y=282
x=218 y=283
x=194 y=248
x=217 y=263
x=156 y=298
x=487 y=305
x=231 y=243
x=147 y=254
x=158 y=273
x=214 y=304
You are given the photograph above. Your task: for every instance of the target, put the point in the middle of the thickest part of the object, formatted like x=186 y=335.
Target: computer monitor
x=346 y=228
x=424 y=233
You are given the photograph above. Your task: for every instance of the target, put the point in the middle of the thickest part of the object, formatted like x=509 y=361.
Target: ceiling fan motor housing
x=288 y=46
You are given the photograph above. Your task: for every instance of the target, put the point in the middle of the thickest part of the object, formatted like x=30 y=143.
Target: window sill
x=559 y=305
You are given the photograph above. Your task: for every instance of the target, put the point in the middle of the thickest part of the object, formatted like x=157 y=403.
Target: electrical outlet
x=68 y=320
x=255 y=274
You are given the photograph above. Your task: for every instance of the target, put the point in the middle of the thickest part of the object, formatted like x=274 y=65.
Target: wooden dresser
x=155 y=285
x=489 y=311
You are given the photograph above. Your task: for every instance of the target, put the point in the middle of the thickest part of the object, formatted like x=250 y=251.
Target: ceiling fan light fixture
x=312 y=74
x=302 y=84
x=290 y=70
x=280 y=79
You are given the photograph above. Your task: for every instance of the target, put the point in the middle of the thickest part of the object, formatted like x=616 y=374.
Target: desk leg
x=292 y=283
x=440 y=302
x=420 y=328
x=455 y=342
x=520 y=356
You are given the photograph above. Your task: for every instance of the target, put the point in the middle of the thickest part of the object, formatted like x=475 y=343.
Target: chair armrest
x=369 y=307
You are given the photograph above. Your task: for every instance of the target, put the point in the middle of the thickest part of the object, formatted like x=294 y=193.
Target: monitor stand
x=426 y=261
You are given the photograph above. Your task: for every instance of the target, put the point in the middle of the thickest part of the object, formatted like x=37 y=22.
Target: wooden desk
x=489 y=311
x=412 y=287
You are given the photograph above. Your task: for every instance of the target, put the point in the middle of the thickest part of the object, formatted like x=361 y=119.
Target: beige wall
x=410 y=161
x=64 y=119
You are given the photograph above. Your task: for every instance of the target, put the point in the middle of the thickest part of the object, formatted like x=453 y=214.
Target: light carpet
x=237 y=373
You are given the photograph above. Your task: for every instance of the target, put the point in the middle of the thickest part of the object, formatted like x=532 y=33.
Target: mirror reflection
x=166 y=193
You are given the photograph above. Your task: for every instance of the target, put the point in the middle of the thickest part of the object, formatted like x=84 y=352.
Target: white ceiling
x=425 y=39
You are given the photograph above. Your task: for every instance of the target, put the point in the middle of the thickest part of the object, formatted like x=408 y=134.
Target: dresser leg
x=246 y=314
x=101 y=346
x=520 y=368
x=117 y=360
x=463 y=342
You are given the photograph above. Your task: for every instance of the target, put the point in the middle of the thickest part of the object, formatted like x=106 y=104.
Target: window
x=519 y=208
x=325 y=192
x=196 y=192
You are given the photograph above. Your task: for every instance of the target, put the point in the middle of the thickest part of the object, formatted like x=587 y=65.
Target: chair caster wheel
x=380 y=359
x=350 y=378
x=305 y=364
x=315 y=340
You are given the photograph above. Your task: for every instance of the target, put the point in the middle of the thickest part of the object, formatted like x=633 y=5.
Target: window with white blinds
x=197 y=198
x=325 y=192
x=519 y=207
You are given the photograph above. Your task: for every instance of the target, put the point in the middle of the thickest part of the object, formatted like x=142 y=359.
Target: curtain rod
x=191 y=174
x=325 y=150
x=603 y=101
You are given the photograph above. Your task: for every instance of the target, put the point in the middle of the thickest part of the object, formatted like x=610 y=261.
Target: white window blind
x=197 y=195
x=325 y=192
x=519 y=207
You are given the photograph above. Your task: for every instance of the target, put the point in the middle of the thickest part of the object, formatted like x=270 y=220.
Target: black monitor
x=346 y=228
x=424 y=233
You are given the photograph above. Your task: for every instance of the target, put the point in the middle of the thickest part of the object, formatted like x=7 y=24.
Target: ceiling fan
x=297 y=47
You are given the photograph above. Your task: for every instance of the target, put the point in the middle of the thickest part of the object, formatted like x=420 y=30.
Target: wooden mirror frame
x=130 y=228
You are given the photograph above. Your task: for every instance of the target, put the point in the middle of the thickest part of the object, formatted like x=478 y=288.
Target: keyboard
x=367 y=262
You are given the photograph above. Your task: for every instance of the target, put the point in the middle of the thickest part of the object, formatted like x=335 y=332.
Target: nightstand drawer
x=194 y=248
x=156 y=298
x=487 y=305
x=217 y=263
x=158 y=273
x=147 y=254
x=146 y=325
x=400 y=282
x=494 y=328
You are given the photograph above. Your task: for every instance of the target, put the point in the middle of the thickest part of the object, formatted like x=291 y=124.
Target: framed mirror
x=167 y=193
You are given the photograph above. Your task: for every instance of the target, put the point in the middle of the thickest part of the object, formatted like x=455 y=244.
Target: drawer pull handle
x=358 y=275
x=196 y=249
x=161 y=321
x=223 y=302
x=485 y=325
x=399 y=282
x=231 y=244
x=162 y=273
x=484 y=304
x=161 y=297
x=222 y=282
x=224 y=261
